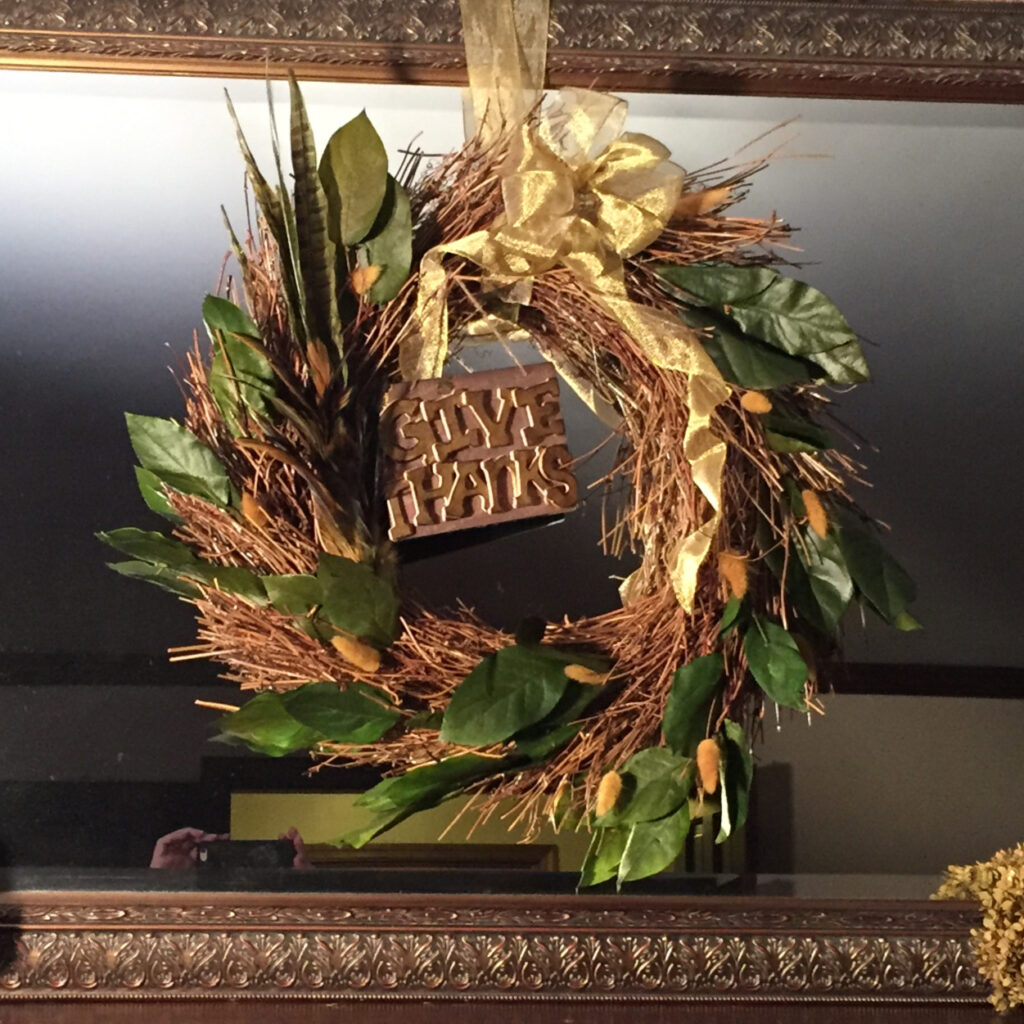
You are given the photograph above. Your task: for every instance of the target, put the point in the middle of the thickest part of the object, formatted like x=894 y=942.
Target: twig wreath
x=663 y=313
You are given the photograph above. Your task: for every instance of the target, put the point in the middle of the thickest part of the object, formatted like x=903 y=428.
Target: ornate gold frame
x=894 y=49
x=114 y=947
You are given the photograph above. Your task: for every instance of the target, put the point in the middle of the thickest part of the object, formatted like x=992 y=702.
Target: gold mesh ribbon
x=583 y=194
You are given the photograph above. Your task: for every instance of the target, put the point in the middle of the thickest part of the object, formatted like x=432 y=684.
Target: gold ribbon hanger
x=583 y=194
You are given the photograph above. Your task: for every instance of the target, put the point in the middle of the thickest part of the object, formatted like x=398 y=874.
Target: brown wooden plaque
x=475 y=449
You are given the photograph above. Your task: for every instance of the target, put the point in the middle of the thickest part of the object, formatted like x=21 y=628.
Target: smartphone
x=252 y=854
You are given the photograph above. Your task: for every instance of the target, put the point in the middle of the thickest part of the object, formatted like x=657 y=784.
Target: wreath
x=666 y=315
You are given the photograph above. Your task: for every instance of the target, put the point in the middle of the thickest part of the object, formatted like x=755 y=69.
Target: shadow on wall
x=10 y=917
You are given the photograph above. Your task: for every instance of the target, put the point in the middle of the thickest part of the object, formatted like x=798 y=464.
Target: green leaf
x=170 y=451
x=738 y=772
x=224 y=316
x=906 y=623
x=293 y=594
x=230 y=578
x=424 y=786
x=357 y=600
x=540 y=741
x=265 y=726
x=878 y=576
x=354 y=174
x=718 y=284
x=793 y=434
x=151 y=487
x=603 y=856
x=149 y=546
x=775 y=663
x=744 y=360
x=160 y=575
x=663 y=781
x=358 y=837
x=730 y=615
x=653 y=846
x=390 y=244
x=506 y=692
x=790 y=315
x=828 y=580
x=317 y=253
x=357 y=714
x=686 y=710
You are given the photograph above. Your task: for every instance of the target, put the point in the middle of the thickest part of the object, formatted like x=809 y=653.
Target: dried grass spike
x=355 y=652
x=756 y=402
x=732 y=567
x=816 y=514
x=608 y=792
x=708 y=758
x=364 y=278
x=254 y=511
x=582 y=674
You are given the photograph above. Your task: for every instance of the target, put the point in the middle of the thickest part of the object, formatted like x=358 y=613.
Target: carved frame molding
x=896 y=49
x=132 y=946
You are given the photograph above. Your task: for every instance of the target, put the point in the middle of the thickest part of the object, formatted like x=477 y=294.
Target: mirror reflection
x=111 y=189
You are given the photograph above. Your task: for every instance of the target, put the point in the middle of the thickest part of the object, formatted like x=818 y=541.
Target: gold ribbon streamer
x=583 y=194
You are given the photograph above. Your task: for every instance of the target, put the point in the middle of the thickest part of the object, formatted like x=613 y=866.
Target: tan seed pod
x=319 y=365
x=732 y=567
x=608 y=791
x=356 y=653
x=693 y=204
x=363 y=279
x=254 y=511
x=816 y=514
x=582 y=674
x=756 y=401
x=708 y=758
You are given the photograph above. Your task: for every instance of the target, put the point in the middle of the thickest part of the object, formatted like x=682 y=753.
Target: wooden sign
x=475 y=449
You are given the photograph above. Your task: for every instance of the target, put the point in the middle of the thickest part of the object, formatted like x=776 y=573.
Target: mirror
x=909 y=219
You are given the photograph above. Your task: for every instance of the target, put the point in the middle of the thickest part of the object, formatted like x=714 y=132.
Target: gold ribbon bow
x=583 y=194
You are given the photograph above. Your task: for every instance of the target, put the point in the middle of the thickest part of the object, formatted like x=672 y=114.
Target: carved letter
x=493 y=410
x=430 y=483
x=542 y=410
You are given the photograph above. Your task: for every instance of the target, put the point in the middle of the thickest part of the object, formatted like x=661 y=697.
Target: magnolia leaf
x=265 y=725
x=293 y=594
x=357 y=714
x=354 y=174
x=169 y=450
x=744 y=360
x=224 y=316
x=738 y=772
x=730 y=615
x=652 y=846
x=828 y=579
x=719 y=284
x=151 y=487
x=663 y=783
x=160 y=575
x=424 y=786
x=149 y=546
x=390 y=244
x=878 y=576
x=725 y=822
x=508 y=691
x=357 y=600
x=686 y=711
x=603 y=856
x=240 y=379
x=906 y=623
x=230 y=578
x=790 y=315
x=540 y=741
x=793 y=434
x=775 y=663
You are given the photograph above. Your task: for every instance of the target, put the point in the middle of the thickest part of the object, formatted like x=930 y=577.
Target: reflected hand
x=301 y=859
x=180 y=849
